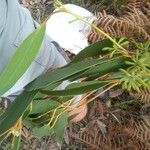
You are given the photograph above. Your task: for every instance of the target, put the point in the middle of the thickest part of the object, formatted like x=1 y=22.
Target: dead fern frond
x=134 y=23
x=93 y=143
x=140 y=131
x=137 y=16
x=137 y=3
x=143 y=95
x=106 y=133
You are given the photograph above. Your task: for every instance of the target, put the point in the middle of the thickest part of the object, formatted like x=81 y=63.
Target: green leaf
x=42 y=131
x=15 y=111
x=21 y=60
x=93 y=50
x=110 y=65
x=28 y=123
x=60 y=126
x=61 y=74
x=41 y=106
x=78 y=88
x=26 y=113
x=115 y=75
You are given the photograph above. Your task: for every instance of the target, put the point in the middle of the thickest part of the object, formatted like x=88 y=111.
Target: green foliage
x=42 y=131
x=60 y=126
x=135 y=76
x=95 y=49
x=56 y=126
x=15 y=111
x=41 y=106
x=132 y=81
x=22 y=59
x=115 y=50
x=144 y=47
x=49 y=116
x=77 y=88
x=44 y=109
x=62 y=74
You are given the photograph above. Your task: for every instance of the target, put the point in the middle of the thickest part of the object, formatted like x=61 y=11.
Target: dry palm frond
x=134 y=23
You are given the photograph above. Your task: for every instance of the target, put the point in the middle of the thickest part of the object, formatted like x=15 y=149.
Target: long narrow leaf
x=111 y=65
x=14 y=112
x=21 y=60
x=78 y=88
x=62 y=74
x=93 y=50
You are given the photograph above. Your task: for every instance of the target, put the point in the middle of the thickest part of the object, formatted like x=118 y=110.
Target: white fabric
x=67 y=31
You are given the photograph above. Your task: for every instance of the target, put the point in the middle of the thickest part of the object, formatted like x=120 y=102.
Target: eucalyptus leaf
x=41 y=106
x=93 y=50
x=42 y=131
x=111 y=65
x=16 y=142
x=15 y=111
x=28 y=123
x=22 y=59
x=78 y=88
x=61 y=74
x=60 y=126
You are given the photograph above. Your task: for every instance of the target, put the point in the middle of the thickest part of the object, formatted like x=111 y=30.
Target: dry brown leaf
x=78 y=111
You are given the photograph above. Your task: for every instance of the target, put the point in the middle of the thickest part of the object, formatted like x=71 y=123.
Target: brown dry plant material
x=133 y=23
x=112 y=130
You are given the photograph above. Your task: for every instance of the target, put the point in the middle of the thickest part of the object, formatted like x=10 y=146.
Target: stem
x=52 y=117
x=57 y=117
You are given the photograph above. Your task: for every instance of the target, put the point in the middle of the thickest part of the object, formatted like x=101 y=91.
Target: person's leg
x=18 y=25
x=48 y=57
x=3 y=10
